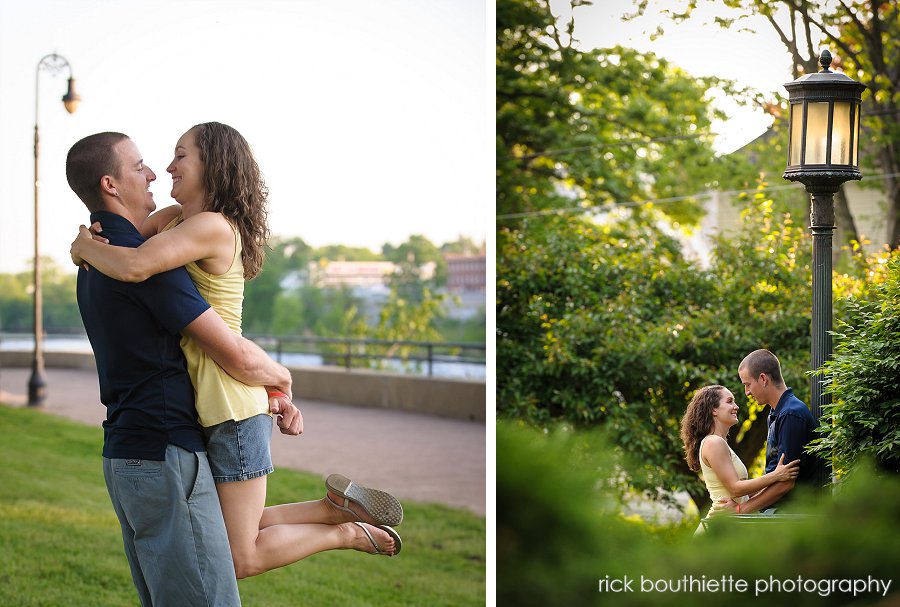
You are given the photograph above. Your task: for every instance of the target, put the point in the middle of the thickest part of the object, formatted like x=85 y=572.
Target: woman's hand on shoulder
x=786 y=472
x=85 y=236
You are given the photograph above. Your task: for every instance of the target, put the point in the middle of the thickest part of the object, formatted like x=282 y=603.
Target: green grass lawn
x=60 y=542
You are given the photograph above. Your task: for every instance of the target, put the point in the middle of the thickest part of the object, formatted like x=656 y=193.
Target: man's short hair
x=88 y=161
x=762 y=361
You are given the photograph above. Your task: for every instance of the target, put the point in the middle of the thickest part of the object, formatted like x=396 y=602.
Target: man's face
x=133 y=181
x=752 y=386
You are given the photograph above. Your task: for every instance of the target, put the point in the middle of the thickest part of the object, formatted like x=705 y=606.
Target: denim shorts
x=239 y=451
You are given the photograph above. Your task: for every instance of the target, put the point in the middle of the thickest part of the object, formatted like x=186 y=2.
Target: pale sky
x=754 y=58
x=370 y=119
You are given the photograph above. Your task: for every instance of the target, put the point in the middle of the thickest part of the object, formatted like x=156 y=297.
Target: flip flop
x=398 y=543
x=382 y=507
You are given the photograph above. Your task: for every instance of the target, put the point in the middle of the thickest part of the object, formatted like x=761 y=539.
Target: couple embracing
x=713 y=411
x=189 y=400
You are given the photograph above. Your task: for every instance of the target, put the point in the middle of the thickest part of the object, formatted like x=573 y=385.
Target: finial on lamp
x=825 y=61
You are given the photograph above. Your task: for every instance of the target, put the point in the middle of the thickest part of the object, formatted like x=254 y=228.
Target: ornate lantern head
x=824 y=128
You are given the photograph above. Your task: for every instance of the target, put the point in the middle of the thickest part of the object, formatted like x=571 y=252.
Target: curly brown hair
x=697 y=422
x=235 y=188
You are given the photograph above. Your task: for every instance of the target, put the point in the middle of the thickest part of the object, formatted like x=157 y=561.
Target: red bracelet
x=276 y=394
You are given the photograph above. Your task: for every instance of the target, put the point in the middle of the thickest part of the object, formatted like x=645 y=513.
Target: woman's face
x=726 y=410
x=186 y=170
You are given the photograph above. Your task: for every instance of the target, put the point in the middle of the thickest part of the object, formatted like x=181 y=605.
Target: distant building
x=466 y=273
x=466 y=283
x=350 y=273
x=723 y=212
x=368 y=282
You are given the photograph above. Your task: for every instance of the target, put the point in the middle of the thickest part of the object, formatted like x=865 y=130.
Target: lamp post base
x=37 y=387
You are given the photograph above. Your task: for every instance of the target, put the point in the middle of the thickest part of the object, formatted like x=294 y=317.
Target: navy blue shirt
x=791 y=427
x=134 y=332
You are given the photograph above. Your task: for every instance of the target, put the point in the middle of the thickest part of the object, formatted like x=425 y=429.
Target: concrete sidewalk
x=414 y=456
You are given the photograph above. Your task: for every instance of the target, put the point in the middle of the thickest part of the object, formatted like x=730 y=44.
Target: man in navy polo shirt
x=791 y=427
x=154 y=458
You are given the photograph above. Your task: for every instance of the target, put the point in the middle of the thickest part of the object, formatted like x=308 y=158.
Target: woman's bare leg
x=256 y=550
x=317 y=511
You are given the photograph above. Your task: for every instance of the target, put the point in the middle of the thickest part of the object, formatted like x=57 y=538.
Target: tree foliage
x=17 y=299
x=399 y=320
x=287 y=255
x=309 y=310
x=557 y=484
x=280 y=300
x=606 y=322
x=864 y=36
x=610 y=324
x=583 y=128
x=462 y=246
x=863 y=378
x=411 y=258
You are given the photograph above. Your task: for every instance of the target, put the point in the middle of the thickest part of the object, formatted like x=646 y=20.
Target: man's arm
x=760 y=501
x=790 y=431
x=240 y=357
x=767 y=497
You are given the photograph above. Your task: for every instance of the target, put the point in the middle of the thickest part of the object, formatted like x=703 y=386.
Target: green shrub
x=863 y=378
x=559 y=534
x=612 y=325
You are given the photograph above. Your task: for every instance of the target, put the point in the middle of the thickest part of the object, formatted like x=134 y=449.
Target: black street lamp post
x=37 y=383
x=823 y=154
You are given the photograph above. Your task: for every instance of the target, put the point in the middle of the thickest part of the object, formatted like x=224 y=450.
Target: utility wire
x=600 y=146
x=611 y=206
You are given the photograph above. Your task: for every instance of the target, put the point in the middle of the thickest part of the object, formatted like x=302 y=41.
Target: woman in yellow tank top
x=704 y=430
x=218 y=230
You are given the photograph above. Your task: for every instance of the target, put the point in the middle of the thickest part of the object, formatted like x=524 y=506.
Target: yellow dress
x=219 y=396
x=715 y=487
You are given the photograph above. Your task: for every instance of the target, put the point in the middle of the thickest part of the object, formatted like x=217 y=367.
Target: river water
x=78 y=343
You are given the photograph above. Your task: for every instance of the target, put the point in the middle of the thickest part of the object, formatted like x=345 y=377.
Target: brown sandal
x=382 y=507
x=398 y=543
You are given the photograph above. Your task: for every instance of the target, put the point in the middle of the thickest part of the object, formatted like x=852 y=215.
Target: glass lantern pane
x=816 y=133
x=854 y=158
x=840 y=133
x=796 y=134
